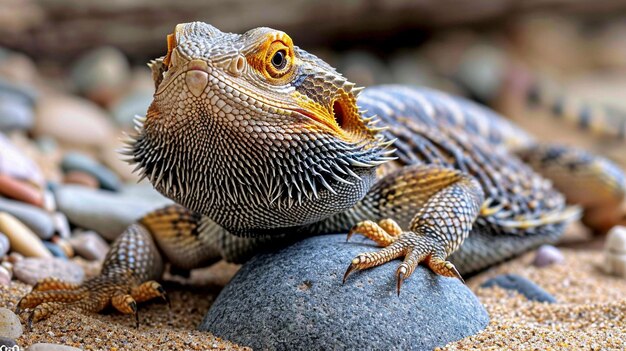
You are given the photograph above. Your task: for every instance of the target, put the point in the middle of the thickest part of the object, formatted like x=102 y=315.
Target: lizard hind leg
x=445 y=204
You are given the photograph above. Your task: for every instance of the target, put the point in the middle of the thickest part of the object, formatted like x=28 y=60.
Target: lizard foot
x=52 y=295
x=413 y=247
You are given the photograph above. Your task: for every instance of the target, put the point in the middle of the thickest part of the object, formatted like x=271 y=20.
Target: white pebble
x=10 y=325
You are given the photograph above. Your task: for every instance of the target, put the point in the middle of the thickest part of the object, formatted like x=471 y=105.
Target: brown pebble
x=20 y=190
x=81 y=178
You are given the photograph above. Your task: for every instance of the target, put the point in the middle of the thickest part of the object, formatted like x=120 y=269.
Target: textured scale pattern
x=261 y=143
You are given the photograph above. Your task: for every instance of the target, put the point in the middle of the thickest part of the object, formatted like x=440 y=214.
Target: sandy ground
x=590 y=313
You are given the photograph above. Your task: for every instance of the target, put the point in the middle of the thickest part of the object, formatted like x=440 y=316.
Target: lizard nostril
x=237 y=65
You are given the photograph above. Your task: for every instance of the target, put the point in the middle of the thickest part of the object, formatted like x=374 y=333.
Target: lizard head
x=253 y=131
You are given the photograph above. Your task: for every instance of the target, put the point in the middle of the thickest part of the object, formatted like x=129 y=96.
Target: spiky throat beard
x=251 y=174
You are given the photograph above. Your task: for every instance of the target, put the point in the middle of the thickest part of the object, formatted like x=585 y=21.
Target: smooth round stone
x=65 y=245
x=10 y=325
x=547 y=255
x=51 y=347
x=15 y=164
x=7 y=343
x=482 y=70
x=74 y=161
x=22 y=239
x=81 y=178
x=5 y=245
x=109 y=214
x=15 y=115
x=90 y=245
x=615 y=252
x=73 y=121
x=36 y=219
x=5 y=276
x=136 y=103
x=31 y=270
x=61 y=225
x=616 y=240
x=55 y=249
x=20 y=190
x=527 y=288
x=101 y=74
x=294 y=299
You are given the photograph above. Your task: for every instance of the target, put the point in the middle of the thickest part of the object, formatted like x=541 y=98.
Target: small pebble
x=55 y=250
x=22 y=239
x=10 y=325
x=5 y=245
x=101 y=74
x=5 y=276
x=15 y=257
x=73 y=122
x=61 y=225
x=81 y=178
x=31 y=270
x=16 y=107
x=64 y=245
x=51 y=347
x=7 y=343
x=15 y=164
x=616 y=240
x=615 y=252
x=547 y=255
x=522 y=285
x=49 y=203
x=19 y=190
x=35 y=218
x=90 y=245
x=75 y=161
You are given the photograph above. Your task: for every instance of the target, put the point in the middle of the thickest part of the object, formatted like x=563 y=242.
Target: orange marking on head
x=261 y=59
x=171 y=44
x=344 y=123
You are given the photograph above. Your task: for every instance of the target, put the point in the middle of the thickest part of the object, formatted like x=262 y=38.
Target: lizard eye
x=279 y=59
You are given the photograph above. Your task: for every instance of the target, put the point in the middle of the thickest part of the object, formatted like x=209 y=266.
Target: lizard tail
x=597 y=118
x=562 y=216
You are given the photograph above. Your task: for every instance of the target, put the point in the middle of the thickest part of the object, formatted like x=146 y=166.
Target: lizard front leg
x=132 y=266
x=442 y=204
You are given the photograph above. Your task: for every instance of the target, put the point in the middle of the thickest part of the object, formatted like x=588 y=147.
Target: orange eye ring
x=279 y=59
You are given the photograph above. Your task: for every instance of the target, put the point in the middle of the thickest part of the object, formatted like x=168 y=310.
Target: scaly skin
x=262 y=143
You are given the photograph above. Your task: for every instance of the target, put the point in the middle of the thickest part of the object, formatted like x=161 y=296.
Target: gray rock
x=36 y=219
x=104 y=212
x=75 y=161
x=10 y=325
x=7 y=343
x=522 y=285
x=5 y=245
x=547 y=255
x=294 y=299
x=31 y=270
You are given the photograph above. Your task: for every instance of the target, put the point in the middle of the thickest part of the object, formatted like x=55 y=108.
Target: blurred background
x=91 y=56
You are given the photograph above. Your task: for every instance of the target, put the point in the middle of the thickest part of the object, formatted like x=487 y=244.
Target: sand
x=590 y=313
